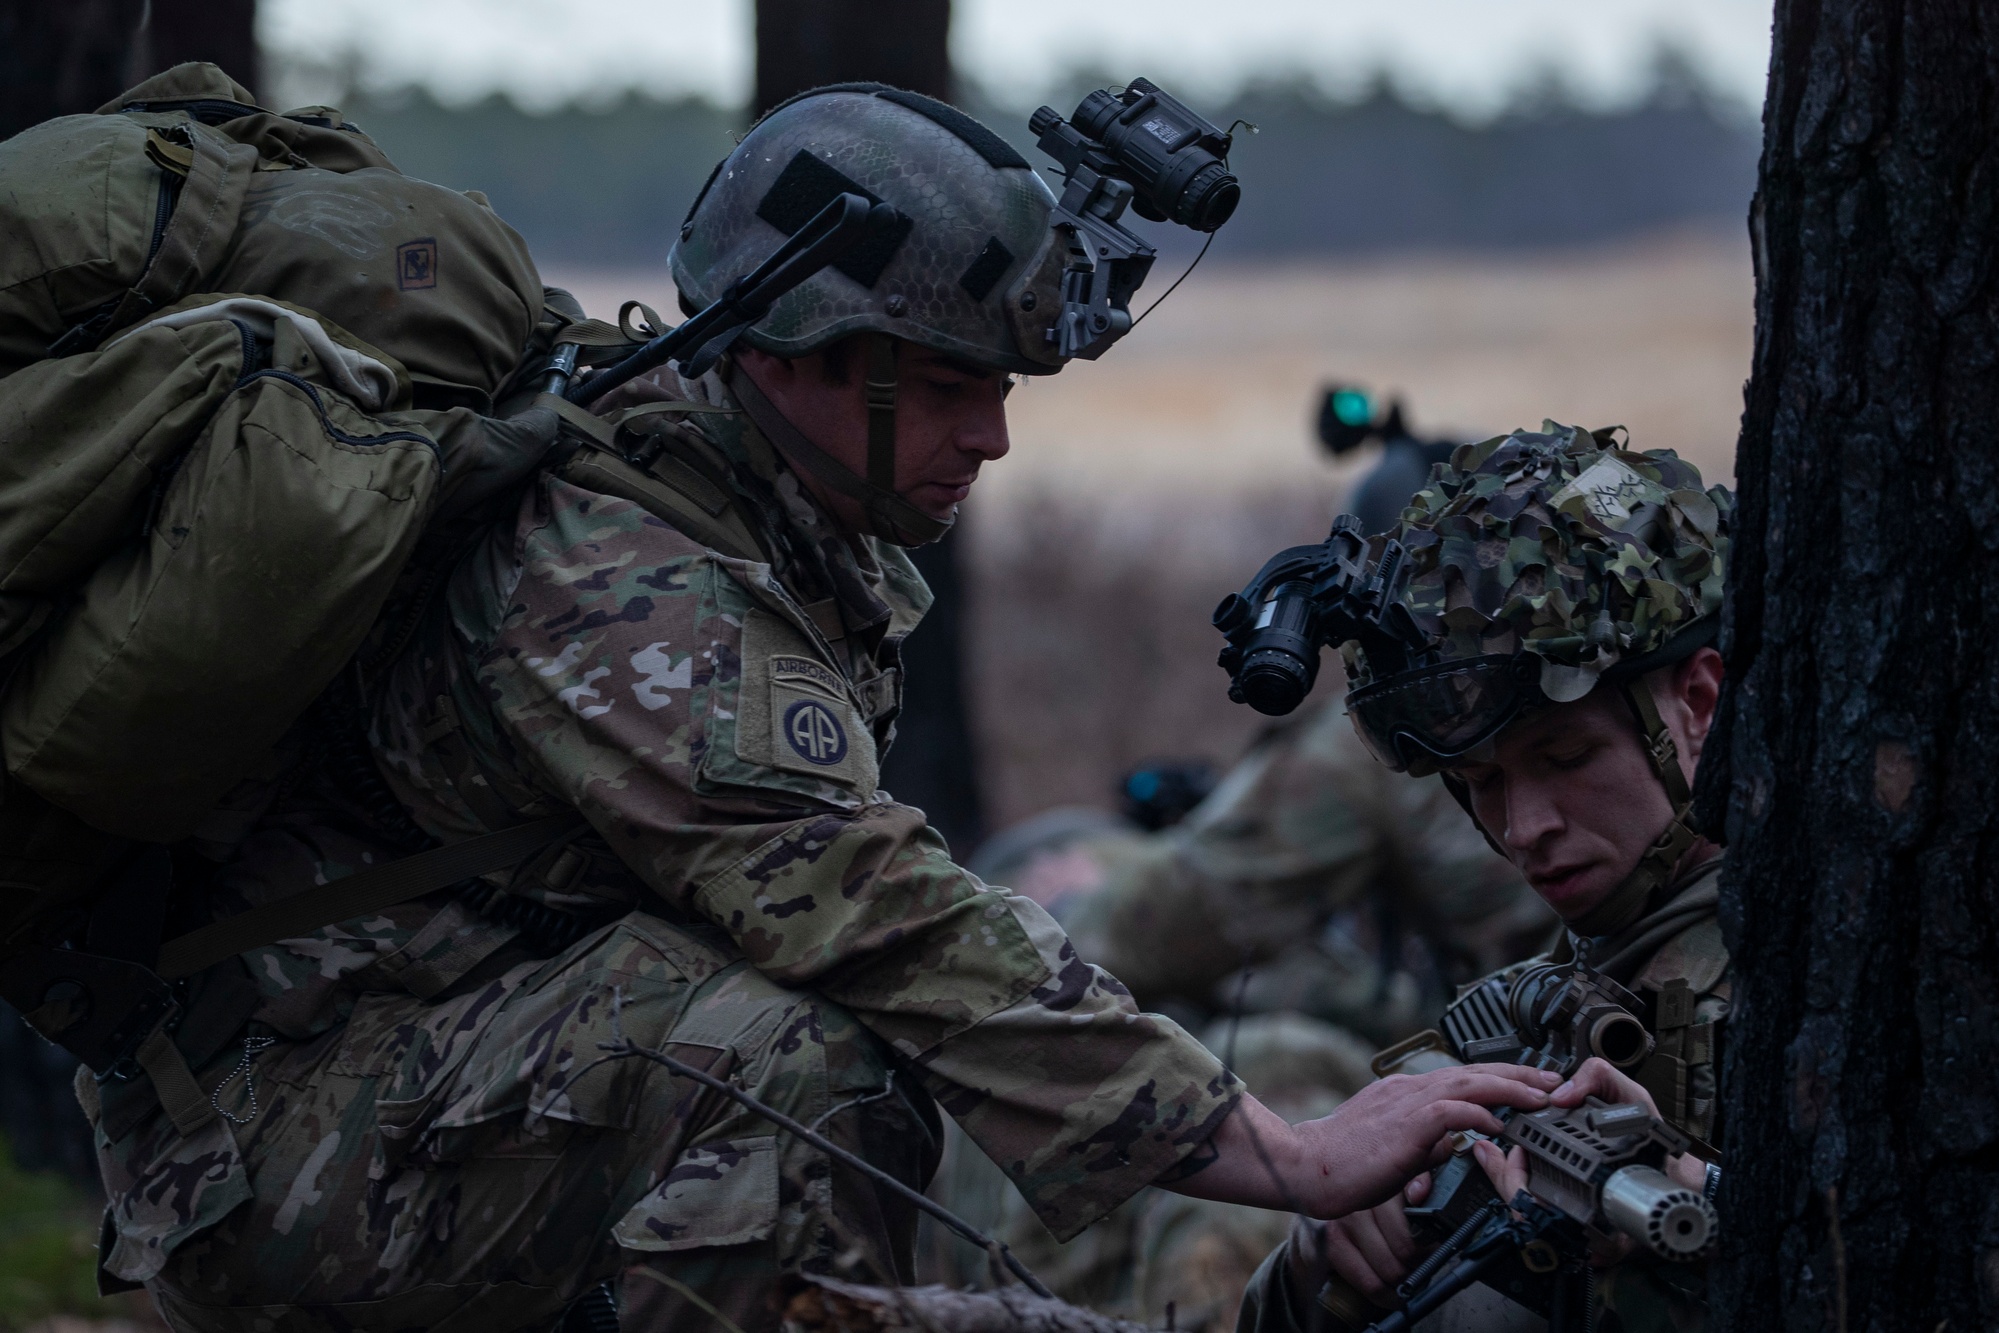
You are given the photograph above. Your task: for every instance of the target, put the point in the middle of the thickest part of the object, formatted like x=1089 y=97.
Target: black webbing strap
x=359 y=894
x=880 y=385
x=890 y=517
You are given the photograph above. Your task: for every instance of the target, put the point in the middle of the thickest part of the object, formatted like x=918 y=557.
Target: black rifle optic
x=1550 y=1016
x=697 y=344
x=1305 y=598
x=1143 y=148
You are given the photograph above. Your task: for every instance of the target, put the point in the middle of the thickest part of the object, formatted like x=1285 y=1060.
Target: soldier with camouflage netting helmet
x=1554 y=662
x=689 y=631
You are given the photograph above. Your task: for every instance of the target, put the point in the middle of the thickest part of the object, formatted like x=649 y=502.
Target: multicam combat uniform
x=1672 y=956
x=435 y=1139
x=1305 y=828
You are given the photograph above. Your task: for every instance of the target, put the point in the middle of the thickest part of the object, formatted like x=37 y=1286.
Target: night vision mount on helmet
x=965 y=251
x=1531 y=567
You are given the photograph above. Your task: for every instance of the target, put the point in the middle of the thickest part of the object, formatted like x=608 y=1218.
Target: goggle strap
x=1659 y=746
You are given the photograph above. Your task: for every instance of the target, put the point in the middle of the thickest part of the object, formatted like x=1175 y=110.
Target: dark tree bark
x=60 y=59
x=802 y=44
x=222 y=32
x=932 y=764
x=65 y=57
x=805 y=43
x=1862 y=724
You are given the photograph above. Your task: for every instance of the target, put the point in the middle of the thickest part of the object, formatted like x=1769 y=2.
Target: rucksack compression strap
x=360 y=894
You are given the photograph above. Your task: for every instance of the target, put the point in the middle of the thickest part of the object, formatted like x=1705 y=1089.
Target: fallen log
x=824 y=1305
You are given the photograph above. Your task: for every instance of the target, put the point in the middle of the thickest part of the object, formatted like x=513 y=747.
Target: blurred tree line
x=609 y=185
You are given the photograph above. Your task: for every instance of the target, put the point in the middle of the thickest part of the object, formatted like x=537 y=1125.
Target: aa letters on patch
x=813 y=733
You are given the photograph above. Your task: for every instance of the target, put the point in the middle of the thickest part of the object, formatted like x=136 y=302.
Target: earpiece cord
x=1177 y=281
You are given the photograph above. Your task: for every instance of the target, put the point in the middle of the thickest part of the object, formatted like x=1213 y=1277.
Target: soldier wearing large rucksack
x=655 y=685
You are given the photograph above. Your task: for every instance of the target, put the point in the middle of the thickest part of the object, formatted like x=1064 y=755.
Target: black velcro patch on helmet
x=995 y=150
x=987 y=269
x=807 y=185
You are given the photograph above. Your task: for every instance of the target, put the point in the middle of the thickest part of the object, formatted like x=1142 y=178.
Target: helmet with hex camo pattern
x=1542 y=563
x=972 y=268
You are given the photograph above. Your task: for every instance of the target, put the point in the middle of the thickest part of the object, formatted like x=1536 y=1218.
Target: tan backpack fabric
x=109 y=217
x=243 y=364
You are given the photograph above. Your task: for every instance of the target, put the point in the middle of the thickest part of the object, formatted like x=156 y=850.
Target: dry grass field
x=1142 y=488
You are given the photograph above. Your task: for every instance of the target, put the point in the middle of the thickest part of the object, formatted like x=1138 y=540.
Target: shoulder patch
x=798 y=725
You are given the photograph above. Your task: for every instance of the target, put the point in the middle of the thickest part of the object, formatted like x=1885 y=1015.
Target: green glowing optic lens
x=1352 y=408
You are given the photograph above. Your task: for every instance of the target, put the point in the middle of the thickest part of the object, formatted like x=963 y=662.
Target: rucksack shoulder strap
x=669 y=476
x=360 y=894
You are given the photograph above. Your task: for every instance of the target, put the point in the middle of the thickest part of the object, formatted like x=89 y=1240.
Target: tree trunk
x=802 y=44
x=1860 y=776
x=822 y=1305
x=65 y=57
x=932 y=763
x=805 y=43
x=62 y=58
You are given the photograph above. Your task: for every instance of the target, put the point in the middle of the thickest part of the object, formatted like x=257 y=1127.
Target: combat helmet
x=1542 y=564
x=972 y=268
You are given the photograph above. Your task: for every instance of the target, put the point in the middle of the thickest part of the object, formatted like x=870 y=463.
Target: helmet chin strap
x=1656 y=868
x=888 y=516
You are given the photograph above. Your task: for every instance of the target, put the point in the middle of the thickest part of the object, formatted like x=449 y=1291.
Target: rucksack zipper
x=326 y=422
x=163 y=213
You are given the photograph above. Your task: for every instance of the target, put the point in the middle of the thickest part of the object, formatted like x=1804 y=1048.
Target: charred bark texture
x=73 y=56
x=806 y=43
x=1861 y=731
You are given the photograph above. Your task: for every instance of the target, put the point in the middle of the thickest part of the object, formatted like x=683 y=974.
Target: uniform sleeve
x=652 y=685
x=1308 y=824
x=1279 y=846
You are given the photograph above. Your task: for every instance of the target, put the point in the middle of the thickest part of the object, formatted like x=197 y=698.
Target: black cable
x=1177 y=281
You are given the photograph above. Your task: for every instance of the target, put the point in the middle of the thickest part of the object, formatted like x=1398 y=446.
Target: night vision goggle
x=1144 y=148
x=1416 y=714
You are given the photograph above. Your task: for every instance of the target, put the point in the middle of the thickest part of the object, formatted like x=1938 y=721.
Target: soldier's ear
x=1693 y=688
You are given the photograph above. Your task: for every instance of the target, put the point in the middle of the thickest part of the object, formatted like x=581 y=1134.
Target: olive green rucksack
x=245 y=365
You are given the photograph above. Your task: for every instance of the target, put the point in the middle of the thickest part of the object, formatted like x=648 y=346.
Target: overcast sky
x=1468 y=54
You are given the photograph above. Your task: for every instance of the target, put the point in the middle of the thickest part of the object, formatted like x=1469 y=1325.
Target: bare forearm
x=1255 y=1157
x=1358 y=1156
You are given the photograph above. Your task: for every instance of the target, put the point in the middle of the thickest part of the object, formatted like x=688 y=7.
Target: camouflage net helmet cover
x=973 y=270
x=1561 y=544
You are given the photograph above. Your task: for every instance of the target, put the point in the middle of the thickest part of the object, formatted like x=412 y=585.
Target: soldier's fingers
x=1366 y=1235
x=1506 y=1171
x=1443 y=1117
x=1598 y=1078
x=1345 y=1258
x=1503 y=1085
x=1394 y=1224
x=1418 y=1189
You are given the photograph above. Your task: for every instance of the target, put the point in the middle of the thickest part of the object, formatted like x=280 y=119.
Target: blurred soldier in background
x=1310 y=908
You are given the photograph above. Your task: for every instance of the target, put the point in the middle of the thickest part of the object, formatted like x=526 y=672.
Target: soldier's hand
x=1602 y=1080
x=1373 y=1250
x=1362 y=1154
x=1599 y=1079
x=1394 y=1129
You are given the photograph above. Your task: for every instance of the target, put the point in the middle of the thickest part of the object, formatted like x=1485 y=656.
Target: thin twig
x=691 y=1295
x=624 y=1048
x=887 y=1087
